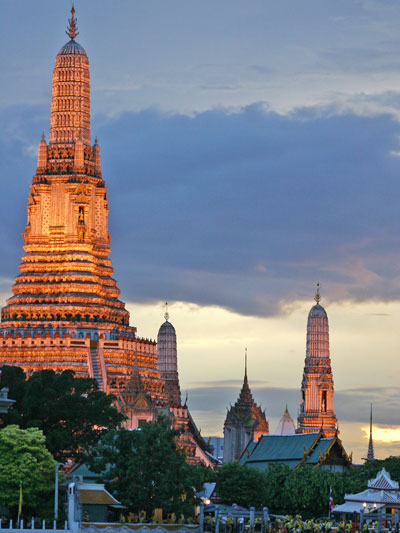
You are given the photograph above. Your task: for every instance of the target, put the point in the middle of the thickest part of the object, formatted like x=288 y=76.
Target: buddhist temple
x=316 y=409
x=65 y=312
x=245 y=422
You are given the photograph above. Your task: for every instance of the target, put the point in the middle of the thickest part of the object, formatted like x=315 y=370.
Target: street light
x=58 y=465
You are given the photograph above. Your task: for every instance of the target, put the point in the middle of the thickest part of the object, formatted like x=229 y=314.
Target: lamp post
x=58 y=465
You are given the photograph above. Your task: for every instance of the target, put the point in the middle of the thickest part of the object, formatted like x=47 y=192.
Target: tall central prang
x=65 y=311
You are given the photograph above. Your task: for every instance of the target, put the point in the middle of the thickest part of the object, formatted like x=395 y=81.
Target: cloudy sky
x=251 y=150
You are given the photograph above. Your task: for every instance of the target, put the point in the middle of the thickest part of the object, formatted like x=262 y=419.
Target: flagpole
x=19 y=504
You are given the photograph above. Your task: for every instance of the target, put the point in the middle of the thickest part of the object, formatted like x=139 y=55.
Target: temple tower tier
x=316 y=409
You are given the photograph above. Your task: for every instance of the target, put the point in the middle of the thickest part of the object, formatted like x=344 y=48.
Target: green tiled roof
x=322 y=446
x=247 y=452
x=262 y=465
x=282 y=448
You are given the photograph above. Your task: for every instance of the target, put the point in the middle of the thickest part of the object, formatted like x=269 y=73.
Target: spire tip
x=317 y=296
x=72 y=30
x=166 y=314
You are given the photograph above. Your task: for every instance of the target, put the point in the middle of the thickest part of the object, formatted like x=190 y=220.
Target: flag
x=331 y=502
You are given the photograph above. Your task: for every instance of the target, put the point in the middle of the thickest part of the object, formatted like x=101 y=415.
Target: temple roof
x=381 y=491
x=242 y=410
x=245 y=411
x=293 y=450
x=287 y=449
x=383 y=481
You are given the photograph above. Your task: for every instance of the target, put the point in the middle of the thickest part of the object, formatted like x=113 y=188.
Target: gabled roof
x=381 y=491
x=286 y=449
x=383 y=481
x=374 y=496
x=319 y=451
x=293 y=450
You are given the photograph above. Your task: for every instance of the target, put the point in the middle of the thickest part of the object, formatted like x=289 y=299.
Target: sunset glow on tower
x=316 y=410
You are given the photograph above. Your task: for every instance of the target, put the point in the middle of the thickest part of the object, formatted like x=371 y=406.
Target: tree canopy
x=146 y=469
x=241 y=485
x=71 y=411
x=25 y=459
x=304 y=490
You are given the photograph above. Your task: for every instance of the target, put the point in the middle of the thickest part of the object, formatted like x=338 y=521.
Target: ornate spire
x=370 y=455
x=72 y=30
x=166 y=314
x=316 y=410
x=245 y=396
x=70 y=100
x=317 y=296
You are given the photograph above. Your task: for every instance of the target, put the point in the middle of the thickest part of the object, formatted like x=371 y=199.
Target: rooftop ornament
x=317 y=296
x=72 y=30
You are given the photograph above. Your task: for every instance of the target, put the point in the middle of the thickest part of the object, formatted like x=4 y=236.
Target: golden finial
x=245 y=362
x=317 y=296
x=72 y=28
x=166 y=316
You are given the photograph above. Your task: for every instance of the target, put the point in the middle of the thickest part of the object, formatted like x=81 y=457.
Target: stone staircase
x=96 y=367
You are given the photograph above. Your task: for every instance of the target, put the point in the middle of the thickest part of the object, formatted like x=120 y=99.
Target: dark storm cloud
x=246 y=210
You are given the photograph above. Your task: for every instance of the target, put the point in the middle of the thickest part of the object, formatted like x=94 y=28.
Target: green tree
x=25 y=459
x=242 y=485
x=146 y=469
x=356 y=479
x=276 y=493
x=71 y=412
x=307 y=490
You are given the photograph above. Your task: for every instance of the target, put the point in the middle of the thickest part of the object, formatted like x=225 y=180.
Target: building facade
x=316 y=409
